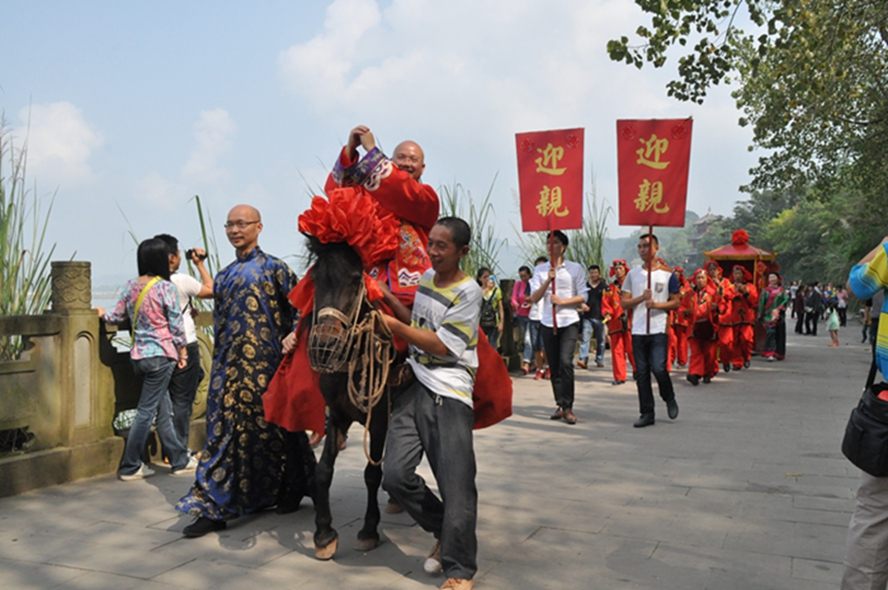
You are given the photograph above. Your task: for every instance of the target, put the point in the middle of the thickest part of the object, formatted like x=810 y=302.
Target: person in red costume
x=681 y=321
x=391 y=238
x=618 y=322
x=703 y=340
x=396 y=186
x=744 y=309
x=724 y=290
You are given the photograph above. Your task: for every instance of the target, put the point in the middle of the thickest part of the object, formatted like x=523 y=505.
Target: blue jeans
x=650 y=357
x=536 y=338
x=524 y=336
x=592 y=328
x=155 y=399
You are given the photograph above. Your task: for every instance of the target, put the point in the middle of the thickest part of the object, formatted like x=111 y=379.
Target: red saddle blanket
x=294 y=400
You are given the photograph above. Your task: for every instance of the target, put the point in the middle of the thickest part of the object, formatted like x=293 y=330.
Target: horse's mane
x=335 y=265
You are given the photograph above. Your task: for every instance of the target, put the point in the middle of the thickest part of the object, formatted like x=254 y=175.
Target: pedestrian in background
x=150 y=303
x=521 y=305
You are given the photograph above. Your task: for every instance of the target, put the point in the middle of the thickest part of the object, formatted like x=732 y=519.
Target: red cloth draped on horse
x=352 y=215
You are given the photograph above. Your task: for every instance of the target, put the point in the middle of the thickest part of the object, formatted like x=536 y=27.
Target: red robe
x=743 y=319
x=293 y=399
x=413 y=203
x=681 y=322
x=619 y=328
x=724 y=290
x=703 y=342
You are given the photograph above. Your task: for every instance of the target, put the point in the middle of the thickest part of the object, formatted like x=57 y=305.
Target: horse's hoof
x=326 y=553
x=366 y=544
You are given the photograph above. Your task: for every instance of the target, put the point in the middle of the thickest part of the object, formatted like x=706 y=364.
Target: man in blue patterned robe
x=241 y=467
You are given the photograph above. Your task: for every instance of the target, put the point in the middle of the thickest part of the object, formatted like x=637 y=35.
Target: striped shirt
x=451 y=312
x=865 y=281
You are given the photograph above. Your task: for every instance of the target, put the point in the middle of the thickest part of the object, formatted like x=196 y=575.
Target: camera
x=190 y=255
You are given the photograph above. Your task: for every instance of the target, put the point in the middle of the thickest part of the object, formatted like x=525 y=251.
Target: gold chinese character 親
x=650 y=196
x=550 y=202
x=548 y=162
x=650 y=154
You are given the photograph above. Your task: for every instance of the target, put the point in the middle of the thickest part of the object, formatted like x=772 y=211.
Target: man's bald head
x=246 y=212
x=410 y=158
x=242 y=228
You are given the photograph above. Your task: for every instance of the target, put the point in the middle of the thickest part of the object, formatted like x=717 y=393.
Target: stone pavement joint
x=747 y=489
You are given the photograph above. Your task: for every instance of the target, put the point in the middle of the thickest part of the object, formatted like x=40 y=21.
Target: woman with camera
x=150 y=303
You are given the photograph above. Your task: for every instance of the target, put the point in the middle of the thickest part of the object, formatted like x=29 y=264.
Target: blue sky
x=143 y=105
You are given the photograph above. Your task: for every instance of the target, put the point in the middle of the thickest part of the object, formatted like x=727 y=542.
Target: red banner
x=550 y=179
x=653 y=157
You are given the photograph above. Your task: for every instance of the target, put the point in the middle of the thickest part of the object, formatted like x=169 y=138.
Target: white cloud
x=60 y=143
x=213 y=138
x=462 y=77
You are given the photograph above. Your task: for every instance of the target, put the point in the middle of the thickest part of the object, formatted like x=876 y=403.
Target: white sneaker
x=432 y=563
x=142 y=473
x=190 y=467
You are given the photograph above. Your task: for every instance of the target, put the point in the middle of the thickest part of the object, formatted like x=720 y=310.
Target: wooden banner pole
x=650 y=262
x=552 y=266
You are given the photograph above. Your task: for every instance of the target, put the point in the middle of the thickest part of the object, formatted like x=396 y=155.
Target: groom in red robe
x=396 y=186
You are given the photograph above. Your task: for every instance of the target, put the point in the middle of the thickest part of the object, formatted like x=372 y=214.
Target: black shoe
x=726 y=367
x=644 y=420
x=288 y=505
x=707 y=379
x=202 y=526
x=617 y=382
x=672 y=409
x=695 y=380
x=745 y=364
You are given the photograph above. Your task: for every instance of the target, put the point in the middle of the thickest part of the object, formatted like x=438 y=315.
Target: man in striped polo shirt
x=435 y=415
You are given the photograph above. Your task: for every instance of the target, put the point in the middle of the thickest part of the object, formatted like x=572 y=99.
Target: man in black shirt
x=592 y=319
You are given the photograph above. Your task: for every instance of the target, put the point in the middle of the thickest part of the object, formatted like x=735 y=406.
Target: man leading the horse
x=434 y=416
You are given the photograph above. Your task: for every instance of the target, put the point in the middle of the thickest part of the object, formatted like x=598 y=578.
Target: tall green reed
x=486 y=245
x=25 y=277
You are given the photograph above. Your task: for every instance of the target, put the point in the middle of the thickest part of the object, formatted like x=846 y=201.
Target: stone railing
x=58 y=402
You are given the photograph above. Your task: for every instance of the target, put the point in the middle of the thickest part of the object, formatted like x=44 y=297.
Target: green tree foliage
x=812 y=84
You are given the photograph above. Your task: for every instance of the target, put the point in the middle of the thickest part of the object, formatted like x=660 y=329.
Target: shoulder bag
x=866 y=436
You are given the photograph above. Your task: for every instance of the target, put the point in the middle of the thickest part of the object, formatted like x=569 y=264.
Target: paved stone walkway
x=747 y=489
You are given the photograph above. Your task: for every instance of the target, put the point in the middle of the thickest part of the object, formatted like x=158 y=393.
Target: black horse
x=350 y=346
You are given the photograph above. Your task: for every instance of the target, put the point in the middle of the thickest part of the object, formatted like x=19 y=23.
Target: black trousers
x=560 y=348
x=811 y=322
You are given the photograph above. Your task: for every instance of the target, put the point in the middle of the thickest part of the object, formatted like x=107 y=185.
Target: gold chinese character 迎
x=651 y=196
x=548 y=163
x=655 y=147
x=550 y=202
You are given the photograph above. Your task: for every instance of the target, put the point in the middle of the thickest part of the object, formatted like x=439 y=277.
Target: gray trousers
x=866 y=558
x=440 y=427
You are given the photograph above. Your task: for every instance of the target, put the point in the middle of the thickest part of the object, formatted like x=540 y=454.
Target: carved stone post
x=71 y=286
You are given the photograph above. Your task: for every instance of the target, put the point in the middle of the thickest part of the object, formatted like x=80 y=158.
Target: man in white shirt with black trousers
x=560 y=341
x=651 y=344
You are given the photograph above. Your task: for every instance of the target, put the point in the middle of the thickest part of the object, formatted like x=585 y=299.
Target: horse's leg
x=325 y=537
x=368 y=537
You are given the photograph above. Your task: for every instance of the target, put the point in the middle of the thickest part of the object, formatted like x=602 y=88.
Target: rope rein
x=365 y=350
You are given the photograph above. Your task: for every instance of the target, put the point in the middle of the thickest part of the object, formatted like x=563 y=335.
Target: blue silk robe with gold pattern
x=240 y=468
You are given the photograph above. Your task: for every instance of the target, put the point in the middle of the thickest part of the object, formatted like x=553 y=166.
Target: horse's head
x=338 y=277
